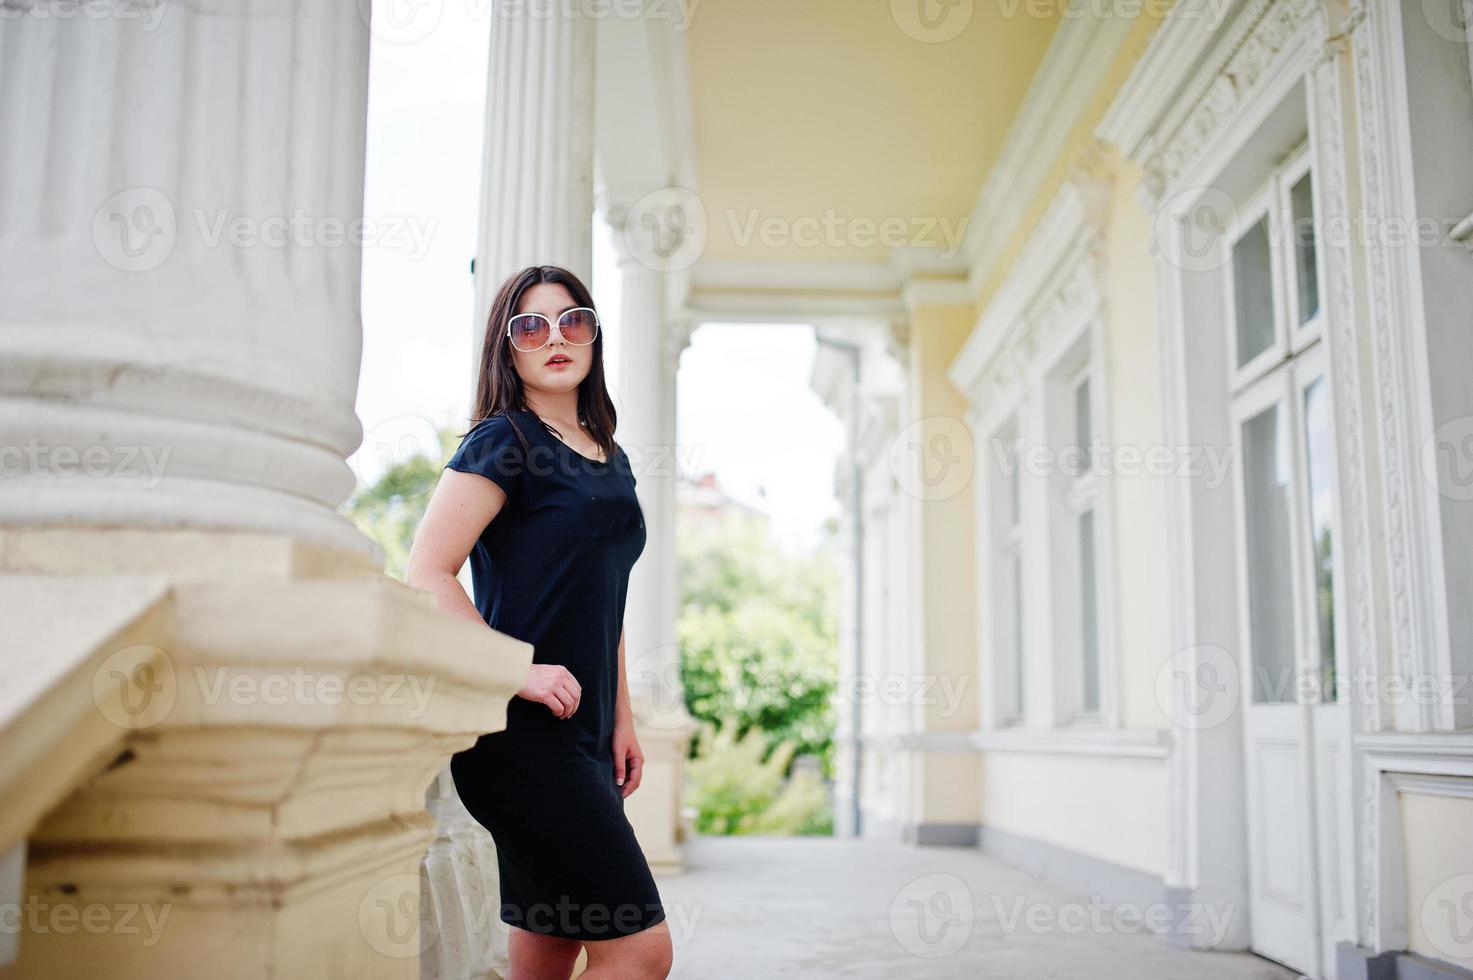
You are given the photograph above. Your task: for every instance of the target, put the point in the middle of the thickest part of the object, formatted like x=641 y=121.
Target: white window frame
x=1273 y=200
x=1299 y=360
x=1007 y=582
x=1083 y=495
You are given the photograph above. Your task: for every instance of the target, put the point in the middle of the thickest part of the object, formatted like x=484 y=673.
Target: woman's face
x=558 y=365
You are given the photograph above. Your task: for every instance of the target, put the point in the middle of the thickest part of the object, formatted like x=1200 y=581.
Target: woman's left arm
x=628 y=756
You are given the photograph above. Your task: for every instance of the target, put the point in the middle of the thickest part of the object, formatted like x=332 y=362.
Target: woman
x=542 y=500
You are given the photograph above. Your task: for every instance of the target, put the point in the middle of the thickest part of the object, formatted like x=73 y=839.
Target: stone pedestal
x=224 y=771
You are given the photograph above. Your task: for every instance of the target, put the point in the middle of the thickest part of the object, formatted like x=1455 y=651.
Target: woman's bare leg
x=535 y=956
x=646 y=955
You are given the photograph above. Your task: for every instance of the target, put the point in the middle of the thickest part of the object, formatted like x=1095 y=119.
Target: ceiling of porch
x=837 y=112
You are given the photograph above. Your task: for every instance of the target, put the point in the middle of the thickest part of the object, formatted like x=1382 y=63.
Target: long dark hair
x=499 y=387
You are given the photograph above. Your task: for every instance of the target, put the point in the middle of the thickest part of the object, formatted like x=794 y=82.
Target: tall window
x=1285 y=442
x=1006 y=503
x=1082 y=498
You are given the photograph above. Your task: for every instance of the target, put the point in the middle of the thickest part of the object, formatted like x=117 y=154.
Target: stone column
x=537 y=161
x=649 y=355
x=180 y=327
x=218 y=719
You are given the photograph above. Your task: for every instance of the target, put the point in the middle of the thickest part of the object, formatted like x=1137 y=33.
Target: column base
x=221 y=768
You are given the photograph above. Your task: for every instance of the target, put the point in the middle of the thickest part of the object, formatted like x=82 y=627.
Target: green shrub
x=737 y=786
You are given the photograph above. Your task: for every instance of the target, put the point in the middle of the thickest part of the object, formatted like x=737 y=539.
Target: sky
x=745 y=410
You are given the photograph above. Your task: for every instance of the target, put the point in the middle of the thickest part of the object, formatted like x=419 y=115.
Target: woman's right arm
x=459 y=510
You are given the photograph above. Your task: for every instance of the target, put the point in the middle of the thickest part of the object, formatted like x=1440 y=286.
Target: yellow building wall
x=1047 y=798
x=1437 y=838
x=1132 y=359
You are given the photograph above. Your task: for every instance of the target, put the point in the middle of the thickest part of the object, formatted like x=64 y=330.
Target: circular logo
x=1447 y=458
x=931 y=459
x=932 y=916
x=666 y=229
x=393 y=920
x=1198 y=687
x=1447 y=917
x=1202 y=218
x=1449 y=21
x=135 y=230
x=394 y=442
x=135 y=687
x=401 y=21
x=932 y=21
x=654 y=677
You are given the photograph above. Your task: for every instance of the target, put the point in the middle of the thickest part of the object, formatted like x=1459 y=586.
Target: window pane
x=1304 y=249
x=1083 y=425
x=1321 y=515
x=1254 y=292
x=1018 y=686
x=1270 y=586
x=1088 y=615
x=1015 y=484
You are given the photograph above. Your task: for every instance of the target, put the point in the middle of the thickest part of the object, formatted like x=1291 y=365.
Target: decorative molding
x=1073 y=68
x=1427 y=784
x=1203 y=99
x=1163 y=71
x=1393 y=279
x=1056 y=282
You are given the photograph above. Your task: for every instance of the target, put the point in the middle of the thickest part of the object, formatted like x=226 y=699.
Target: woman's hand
x=555 y=686
x=628 y=758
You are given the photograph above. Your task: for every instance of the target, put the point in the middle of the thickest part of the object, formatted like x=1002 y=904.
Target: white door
x=1283 y=875
x=1287 y=557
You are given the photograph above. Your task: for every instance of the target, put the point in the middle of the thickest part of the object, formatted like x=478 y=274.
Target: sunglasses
x=530 y=331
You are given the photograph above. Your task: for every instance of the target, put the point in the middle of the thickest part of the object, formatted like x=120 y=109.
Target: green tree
x=391 y=509
x=758 y=634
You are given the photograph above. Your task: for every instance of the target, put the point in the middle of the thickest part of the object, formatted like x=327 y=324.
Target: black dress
x=552 y=568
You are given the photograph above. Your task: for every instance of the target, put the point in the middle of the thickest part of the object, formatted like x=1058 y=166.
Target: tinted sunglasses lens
x=528 y=332
x=578 y=326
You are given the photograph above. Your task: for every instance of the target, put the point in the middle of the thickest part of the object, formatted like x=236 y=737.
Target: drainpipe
x=852 y=351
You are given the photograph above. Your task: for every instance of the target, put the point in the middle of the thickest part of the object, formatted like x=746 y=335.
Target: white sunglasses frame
x=597 y=325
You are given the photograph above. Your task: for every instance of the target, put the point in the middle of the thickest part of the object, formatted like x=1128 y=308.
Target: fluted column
x=649 y=349
x=180 y=188
x=646 y=404
x=537 y=161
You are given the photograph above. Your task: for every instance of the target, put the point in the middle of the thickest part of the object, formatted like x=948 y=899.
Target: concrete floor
x=756 y=907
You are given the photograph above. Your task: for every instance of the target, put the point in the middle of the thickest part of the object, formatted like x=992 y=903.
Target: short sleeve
x=628 y=466
x=492 y=450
